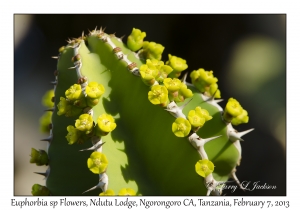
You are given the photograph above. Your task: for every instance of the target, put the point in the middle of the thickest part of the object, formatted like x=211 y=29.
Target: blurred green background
x=247 y=53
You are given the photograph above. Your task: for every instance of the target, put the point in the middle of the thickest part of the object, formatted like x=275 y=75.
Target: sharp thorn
x=94 y=147
x=95 y=187
x=183 y=80
x=103 y=180
x=122 y=37
x=182 y=107
x=234 y=135
x=218 y=100
x=49 y=139
x=209 y=139
x=245 y=132
x=43 y=174
x=55 y=57
x=50 y=109
x=210 y=99
x=45 y=140
x=53 y=83
x=105 y=71
x=213 y=96
x=170 y=110
x=208 y=192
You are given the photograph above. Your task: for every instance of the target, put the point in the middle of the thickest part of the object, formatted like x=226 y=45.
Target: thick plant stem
x=142 y=151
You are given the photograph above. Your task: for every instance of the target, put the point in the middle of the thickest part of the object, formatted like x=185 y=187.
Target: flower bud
x=39 y=157
x=39 y=190
x=135 y=39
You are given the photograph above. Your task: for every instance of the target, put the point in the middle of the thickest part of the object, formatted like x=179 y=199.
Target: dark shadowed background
x=247 y=53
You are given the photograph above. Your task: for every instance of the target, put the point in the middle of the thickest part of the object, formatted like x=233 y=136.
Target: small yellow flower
x=214 y=91
x=163 y=70
x=94 y=90
x=205 y=82
x=39 y=157
x=185 y=92
x=39 y=190
x=107 y=192
x=204 y=77
x=63 y=106
x=61 y=49
x=45 y=120
x=172 y=84
x=127 y=192
x=204 y=167
x=242 y=118
x=204 y=113
x=74 y=92
x=198 y=117
x=152 y=50
x=97 y=162
x=178 y=64
x=158 y=64
x=106 y=123
x=73 y=134
x=233 y=107
x=135 y=39
x=163 y=73
x=66 y=108
x=195 y=119
x=148 y=73
x=47 y=99
x=84 y=123
x=181 y=127
x=158 y=95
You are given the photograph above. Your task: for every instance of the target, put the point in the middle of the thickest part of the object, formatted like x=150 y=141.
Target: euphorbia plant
x=125 y=122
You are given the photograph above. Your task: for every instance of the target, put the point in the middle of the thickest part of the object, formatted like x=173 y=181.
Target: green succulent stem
x=94 y=105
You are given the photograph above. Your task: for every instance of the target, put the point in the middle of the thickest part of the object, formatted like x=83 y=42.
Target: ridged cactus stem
x=102 y=86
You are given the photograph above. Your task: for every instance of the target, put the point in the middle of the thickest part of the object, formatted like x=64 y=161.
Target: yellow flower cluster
x=205 y=82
